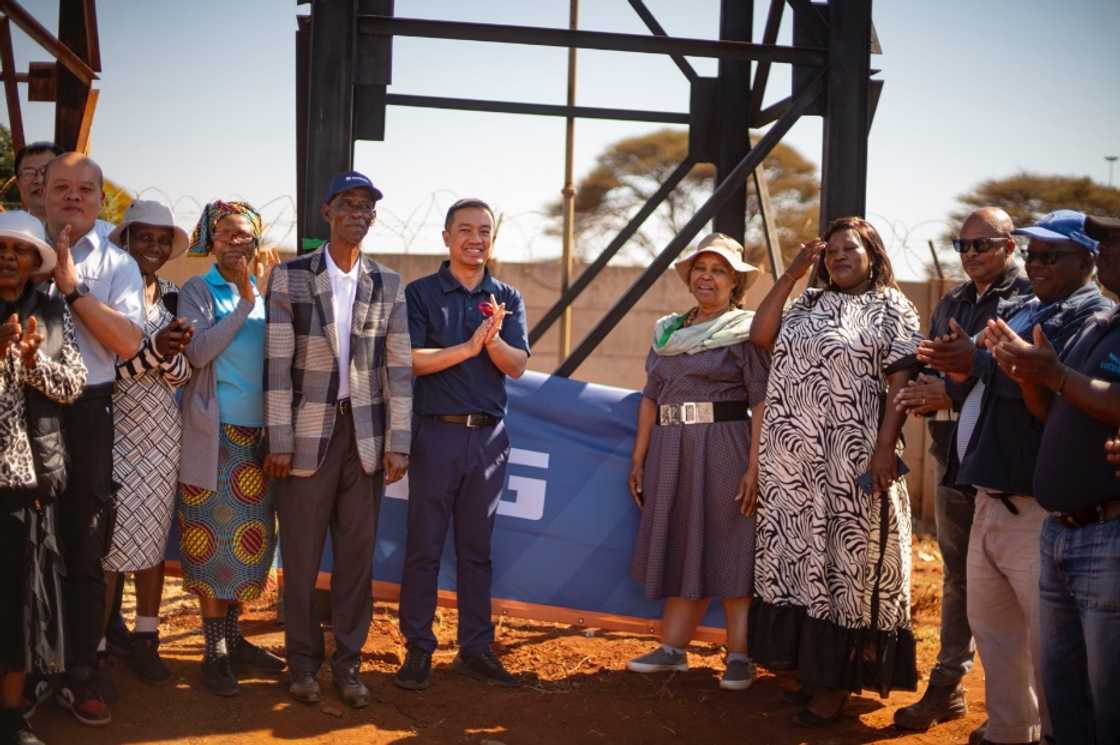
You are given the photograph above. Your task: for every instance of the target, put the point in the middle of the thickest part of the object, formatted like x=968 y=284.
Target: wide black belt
x=470 y=421
x=1102 y=513
x=702 y=412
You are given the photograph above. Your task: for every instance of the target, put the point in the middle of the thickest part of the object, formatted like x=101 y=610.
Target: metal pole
x=569 y=191
x=1111 y=162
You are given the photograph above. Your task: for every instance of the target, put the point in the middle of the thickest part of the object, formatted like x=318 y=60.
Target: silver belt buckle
x=472 y=423
x=688 y=413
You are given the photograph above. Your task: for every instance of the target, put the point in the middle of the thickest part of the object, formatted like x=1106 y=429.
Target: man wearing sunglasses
x=999 y=462
x=1077 y=395
x=987 y=253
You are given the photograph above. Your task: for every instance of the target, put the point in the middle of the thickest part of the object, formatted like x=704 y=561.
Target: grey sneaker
x=658 y=661
x=738 y=676
x=304 y=688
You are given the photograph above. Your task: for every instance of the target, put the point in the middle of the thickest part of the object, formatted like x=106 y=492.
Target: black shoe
x=937 y=704
x=351 y=689
x=248 y=656
x=416 y=672
x=797 y=696
x=485 y=667
x=145 y=660
x=217 y=675
x=304 y=688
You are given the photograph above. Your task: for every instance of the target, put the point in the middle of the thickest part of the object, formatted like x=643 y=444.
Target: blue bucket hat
x=1060 y=226
x=347 y=180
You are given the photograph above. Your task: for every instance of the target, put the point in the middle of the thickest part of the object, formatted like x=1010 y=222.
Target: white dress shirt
x=344 y=288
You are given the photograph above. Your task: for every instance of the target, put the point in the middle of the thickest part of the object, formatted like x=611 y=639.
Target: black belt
x=96 y=391
x=688 y=413
x=470 y=421
x=1102 y=513
x=1005 y=497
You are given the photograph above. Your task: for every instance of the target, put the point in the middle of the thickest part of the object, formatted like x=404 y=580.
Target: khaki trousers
x=1003 y=611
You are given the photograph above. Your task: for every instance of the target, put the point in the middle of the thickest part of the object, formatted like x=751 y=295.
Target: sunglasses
x=979 y=245
x=1046 y=258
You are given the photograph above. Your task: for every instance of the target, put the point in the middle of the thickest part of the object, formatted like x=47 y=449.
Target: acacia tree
x=1026 y=197
x=627 y=172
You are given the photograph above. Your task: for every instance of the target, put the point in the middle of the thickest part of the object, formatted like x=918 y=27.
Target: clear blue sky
x=197 y=102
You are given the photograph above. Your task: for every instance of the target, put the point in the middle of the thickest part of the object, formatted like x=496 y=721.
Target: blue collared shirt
x=239 y=370
x=443 y=313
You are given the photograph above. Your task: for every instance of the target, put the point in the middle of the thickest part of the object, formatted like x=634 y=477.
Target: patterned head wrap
x=202 y=239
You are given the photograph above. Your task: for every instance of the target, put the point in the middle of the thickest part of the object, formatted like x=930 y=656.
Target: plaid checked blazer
x=301 y=363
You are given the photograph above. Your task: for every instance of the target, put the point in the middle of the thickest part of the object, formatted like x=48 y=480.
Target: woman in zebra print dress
x=832 y=569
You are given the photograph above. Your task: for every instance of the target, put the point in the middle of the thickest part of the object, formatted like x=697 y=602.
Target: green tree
x=627 y=172
x=117 y=198
x=1027 y=197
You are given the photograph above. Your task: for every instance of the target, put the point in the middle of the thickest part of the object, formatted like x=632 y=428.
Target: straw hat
x=722 y=245
x=25 y=227
x=156 y=215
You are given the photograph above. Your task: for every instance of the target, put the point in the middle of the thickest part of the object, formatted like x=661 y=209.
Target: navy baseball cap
x=347 y=180
x=1060 y=226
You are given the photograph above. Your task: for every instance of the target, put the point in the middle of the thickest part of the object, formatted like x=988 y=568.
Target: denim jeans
x=1080 y=625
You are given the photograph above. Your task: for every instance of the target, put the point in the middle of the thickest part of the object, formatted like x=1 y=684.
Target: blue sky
x=197 y=102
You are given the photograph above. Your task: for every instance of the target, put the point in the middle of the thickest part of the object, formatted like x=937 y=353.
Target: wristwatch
x=80 y=291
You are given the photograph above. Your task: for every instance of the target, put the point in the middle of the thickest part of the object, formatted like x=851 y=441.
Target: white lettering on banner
x=529 y=493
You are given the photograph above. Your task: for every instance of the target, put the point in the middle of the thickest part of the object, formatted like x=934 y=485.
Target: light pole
x=1111 y=161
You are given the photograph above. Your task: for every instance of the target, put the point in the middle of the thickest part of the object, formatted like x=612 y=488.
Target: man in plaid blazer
x=338 y=411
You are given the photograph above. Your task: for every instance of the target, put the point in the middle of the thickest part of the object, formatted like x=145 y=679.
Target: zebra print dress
x=832 y=566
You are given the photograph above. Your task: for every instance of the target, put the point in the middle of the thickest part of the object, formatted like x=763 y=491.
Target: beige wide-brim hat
x=23 y=226
x=720 y=244
x=157 y=215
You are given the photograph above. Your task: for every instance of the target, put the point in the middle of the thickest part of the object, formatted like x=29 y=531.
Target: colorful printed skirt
x=227 y=537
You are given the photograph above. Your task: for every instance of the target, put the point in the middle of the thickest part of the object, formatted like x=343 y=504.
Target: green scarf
x=671 y=337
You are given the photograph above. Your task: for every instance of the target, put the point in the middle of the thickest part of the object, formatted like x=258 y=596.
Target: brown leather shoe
x=937 y=704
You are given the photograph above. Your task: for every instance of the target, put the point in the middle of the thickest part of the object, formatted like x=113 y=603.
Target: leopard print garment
x=59 y=379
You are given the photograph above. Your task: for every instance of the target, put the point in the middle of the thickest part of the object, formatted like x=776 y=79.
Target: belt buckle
x=688 y=413
x=471 y=422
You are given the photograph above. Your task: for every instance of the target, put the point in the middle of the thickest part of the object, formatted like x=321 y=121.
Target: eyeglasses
x=363 y=209
x=30 y=174
x=1046 y=258
x=979 y=245
x=234 y=237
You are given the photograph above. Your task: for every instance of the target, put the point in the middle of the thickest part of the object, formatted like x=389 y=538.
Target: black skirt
x=30 y=593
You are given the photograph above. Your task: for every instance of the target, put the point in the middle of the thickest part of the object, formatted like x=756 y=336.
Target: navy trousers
x=455 y=474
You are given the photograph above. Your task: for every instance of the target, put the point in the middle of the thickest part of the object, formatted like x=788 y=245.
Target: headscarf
x=202 y=238
x=671 y=337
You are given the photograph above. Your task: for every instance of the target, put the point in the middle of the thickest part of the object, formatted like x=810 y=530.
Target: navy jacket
x=1004 y=447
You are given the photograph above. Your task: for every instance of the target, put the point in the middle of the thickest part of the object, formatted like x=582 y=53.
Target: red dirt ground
x=577 y=691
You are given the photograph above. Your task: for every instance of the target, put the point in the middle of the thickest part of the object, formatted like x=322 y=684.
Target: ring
x=1014 y=369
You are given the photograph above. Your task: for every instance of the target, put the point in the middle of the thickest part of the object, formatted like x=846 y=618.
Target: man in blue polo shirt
x=1078 y=396
x=468 y=333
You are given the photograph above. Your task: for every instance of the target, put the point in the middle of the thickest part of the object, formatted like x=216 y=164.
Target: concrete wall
x=620 y=358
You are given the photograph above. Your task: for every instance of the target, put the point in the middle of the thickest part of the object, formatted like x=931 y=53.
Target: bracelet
x=1062 y=382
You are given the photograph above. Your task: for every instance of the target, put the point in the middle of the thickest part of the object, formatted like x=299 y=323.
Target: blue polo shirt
x=443 y=313
x=1072 y=473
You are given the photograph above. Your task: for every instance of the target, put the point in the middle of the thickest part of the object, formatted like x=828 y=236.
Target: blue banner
x=566 y=524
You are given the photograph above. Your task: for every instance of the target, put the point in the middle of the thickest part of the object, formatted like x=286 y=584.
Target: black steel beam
x=657 y=30
x=762 y=69
x=772 y=112
x=540 y=109
x=707 y=211
x=592 y=271
x=733 y=100
x=537 y=36
x=330 y=107
x=303 y=66
x=844 y=158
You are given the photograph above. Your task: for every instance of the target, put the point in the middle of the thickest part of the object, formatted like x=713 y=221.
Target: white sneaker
x=738 y=676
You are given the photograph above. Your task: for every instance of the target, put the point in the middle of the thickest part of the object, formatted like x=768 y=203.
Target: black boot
x=937 y=704
x=145 y=661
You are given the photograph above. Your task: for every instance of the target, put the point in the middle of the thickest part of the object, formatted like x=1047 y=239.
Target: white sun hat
x=720 y=244
x=23 y=226
x=157 y=215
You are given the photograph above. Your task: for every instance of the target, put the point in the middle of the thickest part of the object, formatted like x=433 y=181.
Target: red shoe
x=85 y=703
